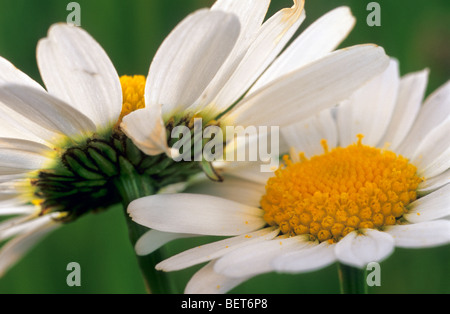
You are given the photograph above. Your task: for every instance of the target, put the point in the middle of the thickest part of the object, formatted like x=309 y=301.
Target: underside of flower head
x=82 y=176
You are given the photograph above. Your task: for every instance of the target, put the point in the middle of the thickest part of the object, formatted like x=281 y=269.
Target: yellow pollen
x=342 y=190
x=37 y=202
x=133 y=90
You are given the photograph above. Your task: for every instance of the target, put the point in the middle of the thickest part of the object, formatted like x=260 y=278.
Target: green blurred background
x=416 y=32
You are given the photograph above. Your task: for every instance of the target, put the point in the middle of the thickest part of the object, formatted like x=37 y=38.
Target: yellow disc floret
x=133 y=90
x=342 y=190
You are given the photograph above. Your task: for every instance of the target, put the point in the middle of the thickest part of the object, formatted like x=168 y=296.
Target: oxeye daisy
x=227 y=67
x=62 y=151
x=46 y=175
x=361 y=179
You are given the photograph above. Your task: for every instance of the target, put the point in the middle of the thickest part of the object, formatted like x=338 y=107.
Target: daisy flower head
x=226 y=67
x=363 y=178
x=62 y=151
x=44 y=133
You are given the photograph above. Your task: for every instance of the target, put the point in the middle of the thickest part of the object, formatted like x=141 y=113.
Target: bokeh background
x=416 y=32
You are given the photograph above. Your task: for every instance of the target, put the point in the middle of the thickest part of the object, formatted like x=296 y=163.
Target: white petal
x=9 y=122
x=410 y=95
x=301 y=93
x=248 y=171
x=146 y=129
x=18 y=220
x=434 y=183
x=177 y=187
x=154 y=239
x=31 y=223
x=19 y=155
x=421 y=235
x=214 y=250
x=307 y=259
x=76 y=69
x=7 y=174
x=207 y=281
x=25 y=145
x=13 y=173
x=189 y=58
x=12 y=202
x=196 y=214
x=45 y=110
x=17 y=210
x=257 y=259
x=432 y=206
x=15 y=125
x=360 y=249
x=9 y=74
x=434 y=111
x=306 y=135
x=343 y=121
x=371 y=109
x=232 y=188
x=322 y=37
x=251 y=15
x=254 y=145
x=432 y=156
x=19 y=186
x=15 y=249
x=271 y=39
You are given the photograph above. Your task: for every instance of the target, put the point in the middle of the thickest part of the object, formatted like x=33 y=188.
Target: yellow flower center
x=133 y=90
x=342 y=190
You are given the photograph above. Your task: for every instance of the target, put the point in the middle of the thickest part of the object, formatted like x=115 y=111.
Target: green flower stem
x=352 y=280
x=132 y=186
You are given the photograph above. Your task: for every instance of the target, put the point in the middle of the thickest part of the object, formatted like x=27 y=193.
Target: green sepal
x=100 y=193
x=148 y=162
x=119 y=145
x=89 y=183
x=60 y=175
x=134 y=155
x=83 y=158
x=105 y=149
x=156 y=169
x=103 y=163
x=78 y=169
x=126 y=168
x=55 y=192
x=210 y=172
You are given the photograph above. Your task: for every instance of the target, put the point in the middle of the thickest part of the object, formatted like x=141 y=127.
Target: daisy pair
x=362 y=178
x=66 y=149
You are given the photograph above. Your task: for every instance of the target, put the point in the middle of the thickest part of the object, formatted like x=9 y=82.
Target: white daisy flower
x=62 y=152
x=39 y=127
x=225 y=66
x=373 y=175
